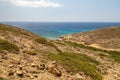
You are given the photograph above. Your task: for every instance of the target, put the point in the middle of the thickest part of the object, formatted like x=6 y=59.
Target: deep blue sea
x=56 y=29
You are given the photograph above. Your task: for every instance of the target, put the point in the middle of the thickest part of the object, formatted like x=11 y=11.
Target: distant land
x=105 y=38
x=53 y=30
x=91 y=55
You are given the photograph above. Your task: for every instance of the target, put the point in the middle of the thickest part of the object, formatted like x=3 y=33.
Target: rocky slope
x=26 y=56
x=107 y=38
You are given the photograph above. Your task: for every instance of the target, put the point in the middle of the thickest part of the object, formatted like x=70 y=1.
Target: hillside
x=27 y=56
x=106 y=38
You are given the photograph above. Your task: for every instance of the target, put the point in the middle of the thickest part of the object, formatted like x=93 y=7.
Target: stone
x=11 y=73
x=53 y=68
x=1 y=60
x=4 y=52
x=81 y=73
x=31 y=77
x=4 y=57
x=54 y=71
x=54 y=62
x=27 y=75
x=18 y=62
x=19 y=73
x=78 y=77
x=35 y=76
x=20 y=67
x=41 y=66
x=11 y=66
x=33 y=65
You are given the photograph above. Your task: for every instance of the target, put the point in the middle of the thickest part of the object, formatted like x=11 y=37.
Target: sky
x=60 y=10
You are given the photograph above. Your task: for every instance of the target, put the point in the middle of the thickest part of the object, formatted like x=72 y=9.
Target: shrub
x=2 y=78
x=14 y=30
x=31 y=52
x=75 y=62
x=47 y=43
x=41 y=40
x=113 y=54
x=5 y=45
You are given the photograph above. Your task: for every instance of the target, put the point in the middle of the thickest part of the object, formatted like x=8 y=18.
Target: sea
x=54 y=30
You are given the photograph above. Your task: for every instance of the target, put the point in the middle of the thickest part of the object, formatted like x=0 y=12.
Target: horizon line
x=67 y=21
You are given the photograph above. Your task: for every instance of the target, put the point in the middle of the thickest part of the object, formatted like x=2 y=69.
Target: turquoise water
x=56 y=29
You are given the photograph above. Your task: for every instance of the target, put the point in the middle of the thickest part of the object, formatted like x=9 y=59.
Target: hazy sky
x=60 y=10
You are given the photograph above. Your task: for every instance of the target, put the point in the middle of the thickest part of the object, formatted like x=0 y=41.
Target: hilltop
x=27 y=56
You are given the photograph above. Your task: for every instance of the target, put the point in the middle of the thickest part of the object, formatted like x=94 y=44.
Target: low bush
x=74 y=62
x=46 y=42
x=113 y=54
x=2 y=78
x=5 y=45
x=31 y=52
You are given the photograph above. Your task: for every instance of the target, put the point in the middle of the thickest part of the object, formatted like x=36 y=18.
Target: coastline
x=54 y=30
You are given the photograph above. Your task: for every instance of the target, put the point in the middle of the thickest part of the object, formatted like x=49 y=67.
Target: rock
x=54 y=71
x=78 y=77
x=53 y=68
x=41 y=66
x=19 y=73
x=11 y=73
x=27 y=75
x=57 y=72
x=11 y=66
x=4 y=57
x=33 y=65
x=31 y=77
x=34 y=72
x=1 y=60
x=35 y=76
x=20 y=67
x=54 y=62
x=4 y=52
x=18 y=62
x=81 y=73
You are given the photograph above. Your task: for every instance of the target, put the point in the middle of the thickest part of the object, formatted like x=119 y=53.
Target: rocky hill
x=27 y=56
x=106 y=38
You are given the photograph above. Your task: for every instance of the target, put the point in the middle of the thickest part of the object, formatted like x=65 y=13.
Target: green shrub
x=113 y=54
x=5 y=45
x=2 y=78
x=14 y=30
x=47 y=43
x=41 y=40
x=103 y=55
x=74 y=62
x=31 y=52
